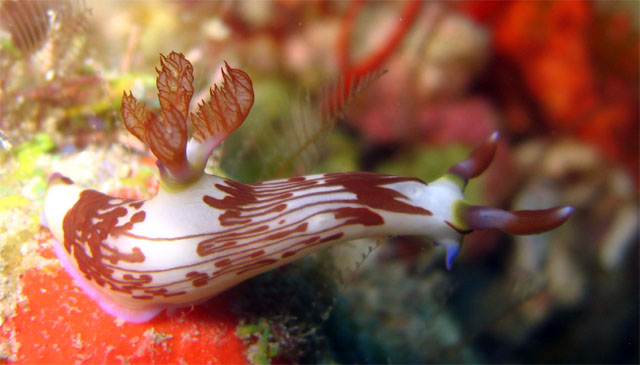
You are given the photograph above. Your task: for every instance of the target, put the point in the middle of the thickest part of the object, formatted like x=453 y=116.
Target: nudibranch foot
x=106 y=303
x=202 y=234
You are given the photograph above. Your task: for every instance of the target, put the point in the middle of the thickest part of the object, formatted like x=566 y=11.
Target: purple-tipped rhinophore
x=478 y=161
x=517 y=222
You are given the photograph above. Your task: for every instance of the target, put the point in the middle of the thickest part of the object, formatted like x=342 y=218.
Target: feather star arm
x=202 y=234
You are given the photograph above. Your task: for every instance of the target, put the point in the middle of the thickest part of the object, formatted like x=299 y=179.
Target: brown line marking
x=156 y=292
x=278 y=208
x=256 y=265
x=144 y=279
x=334 y=210
x=94 y=217
x=266 y=190
x=276 y=236
x=297 y=197
x=224 y=245
x=310 y=243
x=227 y=218
x=174 y=294
x=275 y=239
x=368 y=188
x=198 y=278
x=137 y=205
x=230 y=267
x=291 y=211
x=286 y=182
x=145 y=297
x=236 y=228
x=332 y=237
x=364 y=185
x=307 y=243
x=259 y=237
x=351 y=201
x=252 y=202
x=234 y=266
x=250 y=243
x=223 y=263
x=370 y=191
x=235 y=235
x=316 y=240
x=227 y=261
x=257 y=253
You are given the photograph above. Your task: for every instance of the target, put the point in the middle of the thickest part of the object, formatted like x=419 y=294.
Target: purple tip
x=55 y=175
x=452 y=252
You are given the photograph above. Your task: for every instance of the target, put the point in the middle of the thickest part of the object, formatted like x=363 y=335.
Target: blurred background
x=558 y=79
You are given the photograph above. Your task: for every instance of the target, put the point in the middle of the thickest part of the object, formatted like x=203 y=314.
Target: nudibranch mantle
x=202 y=234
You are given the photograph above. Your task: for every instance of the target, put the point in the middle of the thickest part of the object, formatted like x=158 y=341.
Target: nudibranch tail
x=202 y=234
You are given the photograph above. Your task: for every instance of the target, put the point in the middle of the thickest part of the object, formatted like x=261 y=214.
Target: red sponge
x=58 y=323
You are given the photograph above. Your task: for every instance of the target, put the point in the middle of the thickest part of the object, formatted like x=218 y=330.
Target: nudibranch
x=202 y=234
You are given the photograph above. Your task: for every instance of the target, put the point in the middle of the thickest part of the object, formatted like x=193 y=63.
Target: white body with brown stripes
x=183 y=247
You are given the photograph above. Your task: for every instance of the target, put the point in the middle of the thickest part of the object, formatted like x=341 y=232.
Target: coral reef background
x=558 y=79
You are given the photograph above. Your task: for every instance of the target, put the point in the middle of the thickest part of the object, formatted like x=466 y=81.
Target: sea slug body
x=202 y=234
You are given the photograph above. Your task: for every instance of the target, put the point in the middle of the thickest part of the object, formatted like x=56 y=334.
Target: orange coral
x=579 y=63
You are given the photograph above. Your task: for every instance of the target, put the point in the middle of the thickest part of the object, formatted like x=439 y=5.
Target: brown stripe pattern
x=257 y=227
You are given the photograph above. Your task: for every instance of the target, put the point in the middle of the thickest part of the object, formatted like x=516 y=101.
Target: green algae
x=264 y=347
